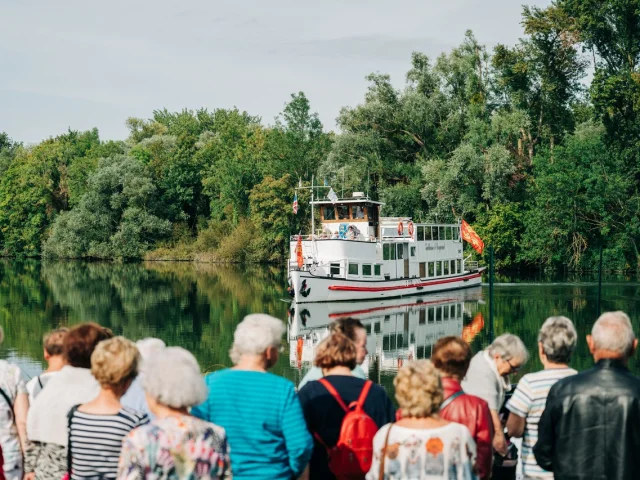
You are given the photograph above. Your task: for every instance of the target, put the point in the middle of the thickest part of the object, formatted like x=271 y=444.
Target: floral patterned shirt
x=445 y=453
x=175 y=448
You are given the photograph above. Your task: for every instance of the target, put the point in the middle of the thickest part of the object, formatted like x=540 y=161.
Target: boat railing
x=361 y=238
x=471 y=265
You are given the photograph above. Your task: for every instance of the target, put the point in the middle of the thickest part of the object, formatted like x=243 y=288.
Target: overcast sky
x=79 y=64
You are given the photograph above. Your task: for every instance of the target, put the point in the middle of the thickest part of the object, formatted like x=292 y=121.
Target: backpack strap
x=383 y=453
x=363 y=395
x=70 y=415
x=450 y=399
x=334 y=393
x=8 y=400
x=40 y=382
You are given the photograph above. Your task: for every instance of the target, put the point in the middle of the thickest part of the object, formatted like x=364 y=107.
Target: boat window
x=385 y=251
x=335 y=269
x=453 y=311
x=366 y=270
x=387 y=318
x=353 y=269
x=438 y=314
x=357 y=211
x=392 y=251
x=420 y=234
x=377 y=327
x=453 y=266
x=448 y=233
x=329 y=213
x=422 y=317
x=459 y=264
x=438 y=269
x=413 y=251
x=432 y=315
x=459 y=309
x=427 y=233
x=376 y=270
x=441 y=233
x=445 y=312
x=431 y=269
x=446 y=267
x=400 y=251
x=367 y=327
x=423 y=270
x=343 y=212
x=434 y=233
x=456 y=233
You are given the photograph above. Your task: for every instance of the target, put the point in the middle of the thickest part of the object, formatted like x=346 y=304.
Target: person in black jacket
x=590 y=427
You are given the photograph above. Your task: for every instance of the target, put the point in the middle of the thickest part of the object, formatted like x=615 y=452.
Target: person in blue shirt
x=354 y=330
x=260 y=412
x=135 y=398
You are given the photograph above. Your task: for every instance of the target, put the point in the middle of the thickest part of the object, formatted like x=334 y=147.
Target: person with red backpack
x=343 y=413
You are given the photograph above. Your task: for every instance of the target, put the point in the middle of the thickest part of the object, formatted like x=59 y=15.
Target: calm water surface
x=197 y=307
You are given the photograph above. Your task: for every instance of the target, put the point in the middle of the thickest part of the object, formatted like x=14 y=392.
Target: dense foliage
x=536 y=144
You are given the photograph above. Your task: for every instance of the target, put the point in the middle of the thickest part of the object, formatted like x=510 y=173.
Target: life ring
x=400 y=228
x=410 y=229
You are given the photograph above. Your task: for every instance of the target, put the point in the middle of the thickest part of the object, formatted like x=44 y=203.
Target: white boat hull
x=309 y=288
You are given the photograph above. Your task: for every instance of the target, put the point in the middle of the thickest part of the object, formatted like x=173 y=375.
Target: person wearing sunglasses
x=488 y=378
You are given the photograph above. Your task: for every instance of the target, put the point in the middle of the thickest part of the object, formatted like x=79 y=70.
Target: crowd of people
x=108 y=408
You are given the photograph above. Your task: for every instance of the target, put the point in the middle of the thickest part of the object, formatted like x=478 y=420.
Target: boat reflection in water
x=397 y=329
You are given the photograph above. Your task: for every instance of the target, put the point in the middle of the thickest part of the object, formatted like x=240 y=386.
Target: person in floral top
x=176 y=445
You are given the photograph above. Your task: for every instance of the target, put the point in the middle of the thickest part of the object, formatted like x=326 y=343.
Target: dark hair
x=53 y=341
x=347 y=326
x=80 y=342
x=337 y=350
x=451 y=355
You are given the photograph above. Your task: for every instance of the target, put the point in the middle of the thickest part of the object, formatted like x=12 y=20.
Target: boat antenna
x=342 y=195
x=367 y=193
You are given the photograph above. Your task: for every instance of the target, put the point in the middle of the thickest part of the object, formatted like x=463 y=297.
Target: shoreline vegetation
x=535 y=144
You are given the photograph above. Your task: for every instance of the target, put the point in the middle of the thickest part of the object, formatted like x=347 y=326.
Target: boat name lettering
x=431 y=247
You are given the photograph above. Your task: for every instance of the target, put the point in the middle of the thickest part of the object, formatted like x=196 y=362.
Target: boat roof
x=347 y=201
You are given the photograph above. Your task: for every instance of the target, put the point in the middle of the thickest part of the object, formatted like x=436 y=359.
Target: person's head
x=149 y=347
x=451 y=355
x=353 y=329
x=508 y=353
x=172 y=379
x=114 y=364
x=337 y=350
x=612 y=337
x=557 y=340
x=418 y=389
x=80 y=342
x=258 y=335
x=53 y=343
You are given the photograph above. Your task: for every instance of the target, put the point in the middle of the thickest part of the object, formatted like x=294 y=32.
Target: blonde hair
x=337 y=350
x=418 y=389
x=114 y=362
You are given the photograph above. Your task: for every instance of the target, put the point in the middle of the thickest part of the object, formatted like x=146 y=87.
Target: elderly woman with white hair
x=488 y=375
x=259 y=411
x=556 y=342
x=175 y=444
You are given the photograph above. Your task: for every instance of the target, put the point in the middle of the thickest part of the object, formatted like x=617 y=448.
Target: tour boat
x=360 y=255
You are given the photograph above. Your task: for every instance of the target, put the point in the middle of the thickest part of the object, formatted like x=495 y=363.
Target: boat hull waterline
x=308 y=288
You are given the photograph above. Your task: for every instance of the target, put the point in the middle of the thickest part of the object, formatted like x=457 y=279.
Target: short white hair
x=149 y=347
x=558 y=337
x=255 y=334
x=172 y=377
x=613 y=332
x=509 y=346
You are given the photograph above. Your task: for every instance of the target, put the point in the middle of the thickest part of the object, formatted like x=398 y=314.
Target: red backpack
x=351 y=457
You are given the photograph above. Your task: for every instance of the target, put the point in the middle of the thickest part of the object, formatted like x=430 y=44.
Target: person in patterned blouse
x=176 y=445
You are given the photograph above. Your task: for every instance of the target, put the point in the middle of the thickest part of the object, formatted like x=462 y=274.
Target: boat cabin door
x=406 y=260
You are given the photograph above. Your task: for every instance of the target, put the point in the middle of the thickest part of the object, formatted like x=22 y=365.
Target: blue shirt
x=135 y=398
x=261 y=414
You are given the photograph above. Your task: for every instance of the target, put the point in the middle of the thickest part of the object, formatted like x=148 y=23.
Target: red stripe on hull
x=391 y=307
x=401 y=287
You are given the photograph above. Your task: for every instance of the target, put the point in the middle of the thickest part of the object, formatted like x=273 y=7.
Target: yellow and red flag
x=469 y=235
x=299 y=256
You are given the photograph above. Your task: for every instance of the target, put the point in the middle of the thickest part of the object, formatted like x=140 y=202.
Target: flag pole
x=491 y=299
x=313 y=220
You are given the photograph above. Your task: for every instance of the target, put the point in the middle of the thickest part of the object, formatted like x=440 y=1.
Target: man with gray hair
x=589 y=428
x=487 y=378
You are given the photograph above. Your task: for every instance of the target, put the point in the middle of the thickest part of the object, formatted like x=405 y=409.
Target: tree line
x=536 y=144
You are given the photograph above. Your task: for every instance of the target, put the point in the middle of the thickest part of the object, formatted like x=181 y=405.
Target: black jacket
x=590 y=428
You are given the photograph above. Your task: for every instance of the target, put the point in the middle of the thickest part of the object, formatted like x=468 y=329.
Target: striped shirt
x=528 y=402
x=96 y=440
x=262 y=417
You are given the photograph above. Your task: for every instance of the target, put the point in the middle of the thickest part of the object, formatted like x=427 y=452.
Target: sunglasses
x=514 y=368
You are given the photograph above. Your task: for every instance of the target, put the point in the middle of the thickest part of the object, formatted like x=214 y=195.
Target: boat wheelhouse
x=359 y=255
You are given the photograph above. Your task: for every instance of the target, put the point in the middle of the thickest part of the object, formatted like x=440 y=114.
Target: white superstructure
x=358 y=255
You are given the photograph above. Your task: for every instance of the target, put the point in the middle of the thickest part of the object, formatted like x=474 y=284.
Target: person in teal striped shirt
x=260 y=412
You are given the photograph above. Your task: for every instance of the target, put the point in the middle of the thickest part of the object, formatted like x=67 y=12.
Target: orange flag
x=299 y=256
x=469 y=235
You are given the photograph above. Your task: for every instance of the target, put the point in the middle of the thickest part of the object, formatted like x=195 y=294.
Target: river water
x=198 y=306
